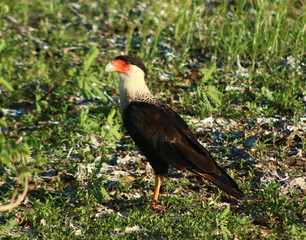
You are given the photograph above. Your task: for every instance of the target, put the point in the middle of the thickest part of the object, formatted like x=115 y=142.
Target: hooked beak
x=109 y=67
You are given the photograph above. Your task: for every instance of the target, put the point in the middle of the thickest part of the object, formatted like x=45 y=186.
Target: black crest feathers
x=133 y=60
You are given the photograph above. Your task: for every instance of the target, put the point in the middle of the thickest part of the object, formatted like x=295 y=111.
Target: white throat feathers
x=132 y=86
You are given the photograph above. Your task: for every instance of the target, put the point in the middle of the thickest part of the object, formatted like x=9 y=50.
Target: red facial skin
x=121 y=66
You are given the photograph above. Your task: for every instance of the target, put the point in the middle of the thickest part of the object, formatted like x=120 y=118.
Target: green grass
x=68 y=126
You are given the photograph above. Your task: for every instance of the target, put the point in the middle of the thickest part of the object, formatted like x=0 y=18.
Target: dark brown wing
x=163 y=133
x=165 y=138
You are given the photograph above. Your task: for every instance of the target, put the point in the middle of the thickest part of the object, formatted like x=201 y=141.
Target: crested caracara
x=160 y=133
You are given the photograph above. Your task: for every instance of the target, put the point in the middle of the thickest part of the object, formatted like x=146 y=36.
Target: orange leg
x=158 y=181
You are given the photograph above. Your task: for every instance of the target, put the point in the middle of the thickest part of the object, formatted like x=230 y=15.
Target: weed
x=239 y=62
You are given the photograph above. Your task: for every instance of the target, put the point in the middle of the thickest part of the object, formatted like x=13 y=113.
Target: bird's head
x=126 y=65
x=132 y=74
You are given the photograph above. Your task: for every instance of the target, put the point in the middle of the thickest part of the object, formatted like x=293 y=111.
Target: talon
x=157 y=207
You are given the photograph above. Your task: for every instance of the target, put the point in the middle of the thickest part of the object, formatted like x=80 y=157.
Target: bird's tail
x=222 y=180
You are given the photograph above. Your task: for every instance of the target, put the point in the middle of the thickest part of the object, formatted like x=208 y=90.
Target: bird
x=160 y=133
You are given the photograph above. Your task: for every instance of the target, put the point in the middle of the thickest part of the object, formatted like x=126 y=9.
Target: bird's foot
x=157 y=207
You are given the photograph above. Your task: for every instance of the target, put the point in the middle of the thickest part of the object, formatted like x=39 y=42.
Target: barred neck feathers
x=132 y=87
